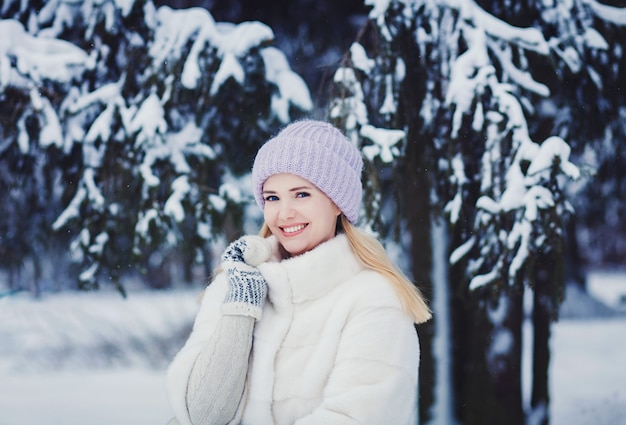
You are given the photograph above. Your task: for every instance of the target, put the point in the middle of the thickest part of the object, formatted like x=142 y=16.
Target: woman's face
x=299 y=214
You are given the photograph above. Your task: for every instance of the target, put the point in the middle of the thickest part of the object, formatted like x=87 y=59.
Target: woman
x=309 y=323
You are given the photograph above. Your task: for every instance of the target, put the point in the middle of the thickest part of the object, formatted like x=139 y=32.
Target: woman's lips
x=293 y=230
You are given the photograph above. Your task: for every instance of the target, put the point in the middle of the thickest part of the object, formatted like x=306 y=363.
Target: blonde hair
x=372 y=255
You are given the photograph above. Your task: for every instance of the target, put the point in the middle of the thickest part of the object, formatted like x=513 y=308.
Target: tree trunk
x=443 y=412
x=486 y=352
x=35 y=287
x=417 y=188
x=493 y=390
x=574 y=270
x=415 y=183
x=418 y=221
x=417 y=212
x=460 y=339
x=540 y=397
x=547 y=276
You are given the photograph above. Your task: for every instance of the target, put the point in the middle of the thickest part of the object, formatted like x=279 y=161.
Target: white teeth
x=293 y=228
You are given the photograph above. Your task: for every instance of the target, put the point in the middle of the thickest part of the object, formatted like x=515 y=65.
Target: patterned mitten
x=247 y=287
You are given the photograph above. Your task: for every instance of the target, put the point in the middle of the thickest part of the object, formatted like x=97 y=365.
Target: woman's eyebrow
x=293 y=189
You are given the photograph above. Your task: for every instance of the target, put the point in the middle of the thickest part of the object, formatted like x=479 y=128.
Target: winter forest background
x=493 y=133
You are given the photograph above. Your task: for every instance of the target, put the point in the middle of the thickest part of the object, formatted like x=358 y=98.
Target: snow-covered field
x=97 y=359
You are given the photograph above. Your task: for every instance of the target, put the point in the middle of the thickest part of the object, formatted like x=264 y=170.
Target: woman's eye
x=271 y=198
x=302 y=194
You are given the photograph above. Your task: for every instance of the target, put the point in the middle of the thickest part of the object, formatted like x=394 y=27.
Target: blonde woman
x=309 y=323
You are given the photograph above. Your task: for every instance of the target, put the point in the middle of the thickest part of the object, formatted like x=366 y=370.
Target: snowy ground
x=96 y=359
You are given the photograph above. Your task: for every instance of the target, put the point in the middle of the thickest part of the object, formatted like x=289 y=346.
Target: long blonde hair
x=372 y=255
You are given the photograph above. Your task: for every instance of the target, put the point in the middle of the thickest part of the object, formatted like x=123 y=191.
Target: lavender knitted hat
x=319 y=153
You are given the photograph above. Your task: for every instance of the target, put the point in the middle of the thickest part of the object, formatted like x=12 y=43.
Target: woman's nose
x=286 y=211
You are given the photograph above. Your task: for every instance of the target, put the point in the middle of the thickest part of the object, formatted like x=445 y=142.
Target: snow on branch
x=384 y=143
x=612 y=14
x=292 y=90
x=476 y=81
x=528 y=38
x=553 y=150
x=175 y=28
x=453 y=208
x=38 y=58
x=484 y=279
x=87 y=192
x=104 y=94
x=149 y=121
x=72 y=210
x=136 y=117
x=352 y=107
x=173 y=206
x=522 y=78
x=230 y=43
x=174 y=149
x=51 y=133
x=359 y=58
x=523 y=194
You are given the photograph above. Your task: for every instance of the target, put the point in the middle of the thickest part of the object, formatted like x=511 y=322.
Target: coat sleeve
x=206 y=378
x=375 y=375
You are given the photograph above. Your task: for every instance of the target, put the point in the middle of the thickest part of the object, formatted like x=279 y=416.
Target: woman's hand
x=247 y=287
x=252 y=250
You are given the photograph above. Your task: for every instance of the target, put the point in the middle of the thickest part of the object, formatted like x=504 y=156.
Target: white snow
x=178 y=27
x=175 y=28
x=389 y=105
x=38 y=58
x=99 y=359
x=588 y=372
x=453 y=208
x=292 y=90
x=616 y=15
x=463 y=249
x=359 y=58
x=173 y=206
x=529 y=38
x=229 y=68
x=92 y=358
x=149 y=121
x=384 y=142
x=352 y=108
x=609 y=287
x=121 y=397
x=595 y=40
x=484 y=279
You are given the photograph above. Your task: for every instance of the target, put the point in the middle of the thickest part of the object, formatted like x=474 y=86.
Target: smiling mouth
x=293 y=229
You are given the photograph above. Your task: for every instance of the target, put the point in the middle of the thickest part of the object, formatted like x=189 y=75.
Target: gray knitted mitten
x=247 y=287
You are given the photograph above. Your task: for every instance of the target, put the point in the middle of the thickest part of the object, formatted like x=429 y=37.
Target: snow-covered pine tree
x=461 y=84
x=583 y=108
x=592 y=86
x=159 y=129
x=35 y=75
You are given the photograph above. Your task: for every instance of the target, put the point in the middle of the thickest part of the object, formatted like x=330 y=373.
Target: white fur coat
x=332 y=346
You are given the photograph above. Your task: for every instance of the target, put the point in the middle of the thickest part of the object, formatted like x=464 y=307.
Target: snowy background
x=150 y=125
x=95 y=358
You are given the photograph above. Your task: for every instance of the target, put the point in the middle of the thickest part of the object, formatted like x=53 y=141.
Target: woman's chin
x=294 y=248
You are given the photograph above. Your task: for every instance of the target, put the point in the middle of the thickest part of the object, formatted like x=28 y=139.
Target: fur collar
x=312 y=274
